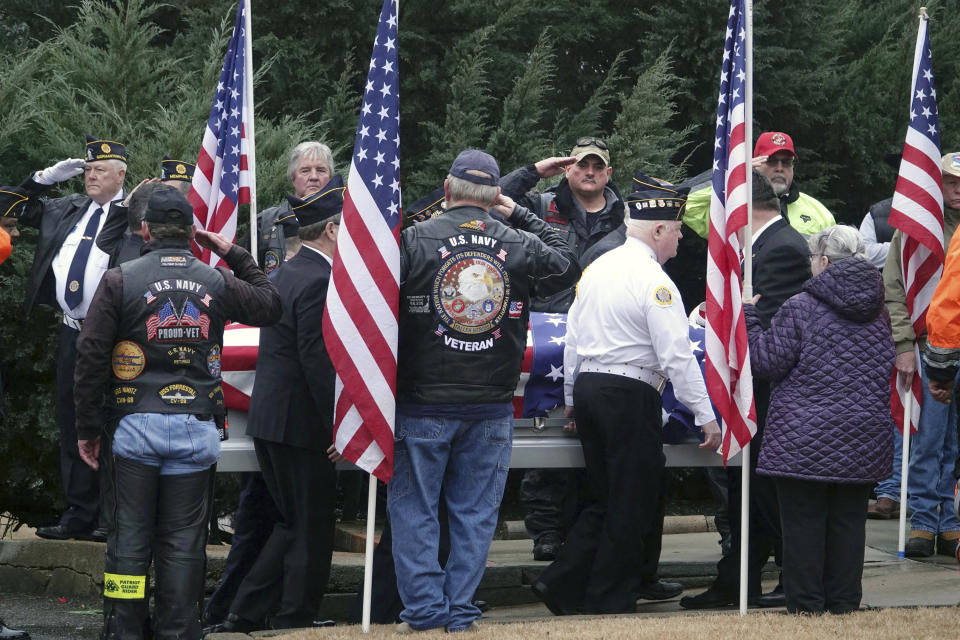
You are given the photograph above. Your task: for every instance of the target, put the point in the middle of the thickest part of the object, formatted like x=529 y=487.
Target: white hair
x=838 y=242
x=311 y=150
x=461 y=190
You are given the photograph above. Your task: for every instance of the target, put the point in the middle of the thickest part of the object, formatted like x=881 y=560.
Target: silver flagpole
x=368 y=551
x=251 y=138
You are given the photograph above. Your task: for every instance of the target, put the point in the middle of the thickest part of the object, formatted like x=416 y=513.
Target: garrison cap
x=321 y=205
x=171 y=169
x=98 y=149
x=653 y=199
x=13 y=200
x=429 y=206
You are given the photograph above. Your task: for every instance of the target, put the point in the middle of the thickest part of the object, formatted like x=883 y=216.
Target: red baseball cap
x=772 y=141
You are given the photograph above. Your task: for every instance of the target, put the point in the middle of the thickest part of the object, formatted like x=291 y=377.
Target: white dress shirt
x=97 y=262
x=629 y=311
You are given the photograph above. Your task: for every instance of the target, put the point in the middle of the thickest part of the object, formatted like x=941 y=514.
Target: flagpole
x=251 y=144
x=905 y=469
x=368 y=552
x=747 y=293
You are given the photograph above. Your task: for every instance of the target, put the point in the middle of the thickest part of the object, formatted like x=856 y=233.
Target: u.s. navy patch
x=127 y=360
x=213 y=361
x=663 y=296
x=177 y=394
x=469 y=292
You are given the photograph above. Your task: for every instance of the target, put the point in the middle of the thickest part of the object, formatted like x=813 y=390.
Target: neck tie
x=74 y=293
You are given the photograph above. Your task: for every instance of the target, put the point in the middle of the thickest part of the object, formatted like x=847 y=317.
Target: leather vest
x=880 y=211
x=273 y=246
x=170 y=336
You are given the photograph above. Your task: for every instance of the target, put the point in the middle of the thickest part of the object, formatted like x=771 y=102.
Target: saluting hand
x=504 y=205
x=63 y=170
x=549 y=167
x=213 y=241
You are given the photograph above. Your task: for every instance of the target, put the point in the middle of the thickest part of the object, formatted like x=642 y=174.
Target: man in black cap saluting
x=465 y=286
x=626 y=335
x=291 y=422
x=67 y=268
x=154 y=334
x=12 y=203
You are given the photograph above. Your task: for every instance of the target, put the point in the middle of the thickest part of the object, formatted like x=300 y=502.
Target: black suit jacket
x=55 y=218
x=781 y=264
x=292 y=401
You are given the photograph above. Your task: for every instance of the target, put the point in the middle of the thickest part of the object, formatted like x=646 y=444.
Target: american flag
x=221 y=181
x=540 y=387
x=917 y=210
x=360 y=319
x=729 y=381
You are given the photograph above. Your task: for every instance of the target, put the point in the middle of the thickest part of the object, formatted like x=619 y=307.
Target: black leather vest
x=880 y=211
x=170 y=336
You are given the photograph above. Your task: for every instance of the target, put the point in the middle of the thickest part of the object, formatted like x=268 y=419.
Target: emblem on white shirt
x=663 y=296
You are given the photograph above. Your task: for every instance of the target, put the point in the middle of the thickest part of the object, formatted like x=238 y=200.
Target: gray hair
x=138 y=204
x=461 y=190
x=311 y=150
x=837 y=242
x=315 y=230
x=166 y=231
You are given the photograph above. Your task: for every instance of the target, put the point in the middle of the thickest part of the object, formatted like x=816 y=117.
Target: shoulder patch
x=663 y=296
x=474 y=225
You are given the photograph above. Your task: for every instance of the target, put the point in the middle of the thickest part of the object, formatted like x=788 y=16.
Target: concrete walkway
x=32 y=569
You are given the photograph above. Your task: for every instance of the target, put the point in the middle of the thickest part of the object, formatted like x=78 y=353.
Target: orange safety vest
x=6 y=245
x=943 y=316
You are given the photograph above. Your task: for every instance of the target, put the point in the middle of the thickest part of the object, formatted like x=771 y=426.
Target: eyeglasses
x=786 y=162
x=588 y=141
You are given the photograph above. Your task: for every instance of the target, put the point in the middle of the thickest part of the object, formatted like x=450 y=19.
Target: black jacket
x=55 y=218
x=465 y=288
x=556 y=206
x=292 y=400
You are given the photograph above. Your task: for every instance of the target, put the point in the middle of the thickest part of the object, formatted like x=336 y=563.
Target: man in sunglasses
x=774 y=157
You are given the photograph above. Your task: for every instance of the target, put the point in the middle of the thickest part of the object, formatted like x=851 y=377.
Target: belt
x=73 y=323
x=634 y=371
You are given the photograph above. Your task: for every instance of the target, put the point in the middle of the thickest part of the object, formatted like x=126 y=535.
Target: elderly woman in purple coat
x=829 y=354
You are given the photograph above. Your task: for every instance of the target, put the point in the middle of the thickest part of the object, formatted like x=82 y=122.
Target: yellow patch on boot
x=121 y=587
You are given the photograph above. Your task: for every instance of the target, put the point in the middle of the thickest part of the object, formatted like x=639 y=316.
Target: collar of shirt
x=325 y=256
x=760 y=231
x=639 y=245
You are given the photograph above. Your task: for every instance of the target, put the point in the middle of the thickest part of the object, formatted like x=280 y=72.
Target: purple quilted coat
x=828 y=354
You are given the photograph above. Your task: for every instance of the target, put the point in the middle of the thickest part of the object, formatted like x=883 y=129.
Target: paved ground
x=888 y=582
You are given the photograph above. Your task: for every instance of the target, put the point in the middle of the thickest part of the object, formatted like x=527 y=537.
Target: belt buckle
x=660 y=387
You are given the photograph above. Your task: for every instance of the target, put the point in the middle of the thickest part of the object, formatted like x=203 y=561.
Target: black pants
x=252 y=525
x=163 y=519
x=297 y=555
x=764 y=519
x=81 y=486
x=619 y=424
x=551 y=498
x=824 y=533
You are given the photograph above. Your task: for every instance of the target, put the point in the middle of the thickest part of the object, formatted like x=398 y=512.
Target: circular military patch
x=181 y=169
x=469 y=291
x=105 y=148
x=663 y=296
x=127 y=360
x=213 y=361
x=270 y=261
x=74 y=285
x=778 y=139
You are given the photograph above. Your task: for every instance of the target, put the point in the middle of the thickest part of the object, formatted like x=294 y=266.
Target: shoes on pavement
x=546 y=597
x=919 y=546
x=945 y=547
x=884 y=509
x=709 y=599
x=99 y=534
x=62 y=532
x=8 y=633
x=659 y=590
x=775 y=598
x=232 y=624
x=547 y=547
x=483 y=605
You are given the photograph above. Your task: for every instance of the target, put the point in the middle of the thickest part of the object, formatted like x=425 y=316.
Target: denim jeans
x=933 y=452
x=890 y=488
x=469 y=459
x=178 y=443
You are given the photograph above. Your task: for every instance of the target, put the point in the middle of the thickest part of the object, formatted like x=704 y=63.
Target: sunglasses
x=588 y=141
x=786 y=162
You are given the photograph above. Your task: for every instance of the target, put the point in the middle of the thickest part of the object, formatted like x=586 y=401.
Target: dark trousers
x=618 y=421
x=163 y=519
x=764 y=520
x=81 y=486
x=824 y=533
x=302 y=483
x=252 y=525
x=551 y=498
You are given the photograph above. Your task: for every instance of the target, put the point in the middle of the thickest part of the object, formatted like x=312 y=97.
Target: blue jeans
x=178 y=443
x=890 y=488
x=469 y=459
x=933 y=452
